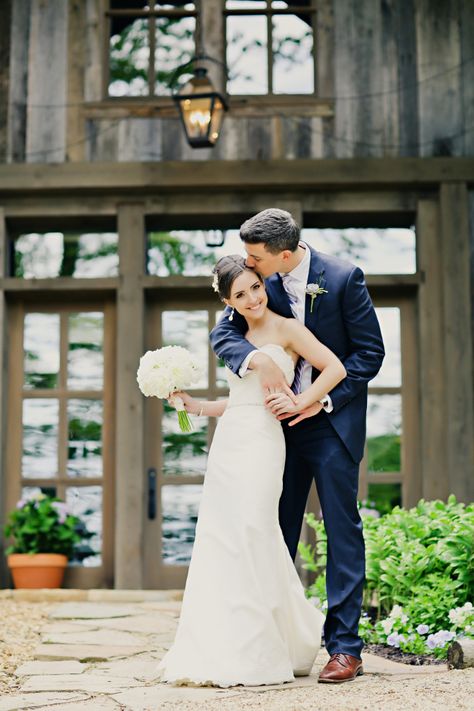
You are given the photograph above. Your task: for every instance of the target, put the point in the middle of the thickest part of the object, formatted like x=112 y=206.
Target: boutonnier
x=314 y=290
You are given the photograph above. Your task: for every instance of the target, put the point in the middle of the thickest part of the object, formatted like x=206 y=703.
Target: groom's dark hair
x=276 y=229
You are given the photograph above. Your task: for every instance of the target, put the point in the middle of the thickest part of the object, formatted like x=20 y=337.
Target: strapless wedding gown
x=245 y=618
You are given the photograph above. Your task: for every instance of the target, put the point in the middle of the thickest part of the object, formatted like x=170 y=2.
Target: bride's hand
x=191 y=405
x=281 y=403
x=271 y=376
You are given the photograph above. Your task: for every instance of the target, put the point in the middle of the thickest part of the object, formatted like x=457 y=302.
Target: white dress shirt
x=294 y=283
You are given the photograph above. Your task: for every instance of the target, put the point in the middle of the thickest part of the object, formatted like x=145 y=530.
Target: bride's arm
x=206 y=408
x=331 y=370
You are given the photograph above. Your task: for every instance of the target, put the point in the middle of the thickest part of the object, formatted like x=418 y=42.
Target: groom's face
x=264 y=262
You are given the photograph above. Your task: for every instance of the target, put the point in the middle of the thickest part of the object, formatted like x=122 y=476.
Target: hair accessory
x=231 y=315
x=215 y=282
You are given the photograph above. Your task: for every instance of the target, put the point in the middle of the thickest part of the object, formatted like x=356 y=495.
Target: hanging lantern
x=201 y=109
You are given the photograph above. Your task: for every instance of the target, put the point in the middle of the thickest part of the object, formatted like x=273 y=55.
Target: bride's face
x=248 y=295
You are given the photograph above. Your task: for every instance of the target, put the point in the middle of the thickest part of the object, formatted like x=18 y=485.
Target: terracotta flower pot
x=40 y=570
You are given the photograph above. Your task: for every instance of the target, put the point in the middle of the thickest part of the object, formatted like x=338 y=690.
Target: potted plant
x=45 y=536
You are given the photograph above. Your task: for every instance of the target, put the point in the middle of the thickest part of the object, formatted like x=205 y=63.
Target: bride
x=245 y=618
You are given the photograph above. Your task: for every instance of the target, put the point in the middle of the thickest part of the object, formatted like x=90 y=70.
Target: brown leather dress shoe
x=341 y=667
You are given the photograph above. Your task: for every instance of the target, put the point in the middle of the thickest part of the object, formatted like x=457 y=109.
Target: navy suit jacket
x=344 y=320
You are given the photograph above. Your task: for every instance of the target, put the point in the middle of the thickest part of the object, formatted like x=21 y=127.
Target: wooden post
x=4 y=388
x=431 y=360
x=457 y=337
x=210 y=39
x=75 y=124
x=129 y=485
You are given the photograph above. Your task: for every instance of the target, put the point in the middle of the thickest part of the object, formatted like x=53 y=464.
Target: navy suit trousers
x=314 y=451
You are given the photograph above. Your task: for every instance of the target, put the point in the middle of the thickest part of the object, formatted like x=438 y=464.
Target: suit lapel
x=315 y=276
x=278 y=295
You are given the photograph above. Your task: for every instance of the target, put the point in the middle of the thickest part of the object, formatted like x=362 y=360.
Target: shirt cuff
x=328 y=406
x=245 y=365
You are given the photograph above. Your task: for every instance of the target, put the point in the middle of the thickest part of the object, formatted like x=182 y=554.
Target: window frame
x=151 y=15
x=269 y=12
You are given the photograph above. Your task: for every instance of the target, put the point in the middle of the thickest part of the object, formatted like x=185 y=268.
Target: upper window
x=147 y=42
x=270 y=46
x=48 y=254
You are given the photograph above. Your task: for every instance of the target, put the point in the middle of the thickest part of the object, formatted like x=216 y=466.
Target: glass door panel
x=61 y=433
x=177 y=461
x=387 y=468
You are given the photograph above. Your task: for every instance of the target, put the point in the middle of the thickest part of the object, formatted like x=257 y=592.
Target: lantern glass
x=202 y=111
x=216 y=120
x=197 y=116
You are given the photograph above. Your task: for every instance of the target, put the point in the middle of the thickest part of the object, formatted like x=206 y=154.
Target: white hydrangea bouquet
x=164 y=371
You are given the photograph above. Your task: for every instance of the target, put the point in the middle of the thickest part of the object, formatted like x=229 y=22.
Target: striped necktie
x=296 y=384
x=292 y=298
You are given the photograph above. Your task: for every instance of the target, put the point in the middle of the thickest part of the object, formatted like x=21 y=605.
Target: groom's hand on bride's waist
x=271 y=376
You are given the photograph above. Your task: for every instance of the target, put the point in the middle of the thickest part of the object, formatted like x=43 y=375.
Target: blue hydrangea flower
x=423 y=629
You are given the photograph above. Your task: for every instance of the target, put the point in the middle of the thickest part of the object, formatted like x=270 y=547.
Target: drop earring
x=231 y=315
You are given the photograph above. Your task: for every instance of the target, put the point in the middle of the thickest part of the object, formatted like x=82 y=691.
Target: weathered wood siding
x=398 y=77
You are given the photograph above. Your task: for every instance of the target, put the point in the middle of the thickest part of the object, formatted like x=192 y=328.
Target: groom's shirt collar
x=301 y=272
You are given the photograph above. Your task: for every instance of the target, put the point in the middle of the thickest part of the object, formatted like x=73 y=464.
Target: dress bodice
x=247 y=390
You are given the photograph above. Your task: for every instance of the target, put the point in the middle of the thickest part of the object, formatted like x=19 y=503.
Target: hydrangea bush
x=419 y=575
x=44 y=524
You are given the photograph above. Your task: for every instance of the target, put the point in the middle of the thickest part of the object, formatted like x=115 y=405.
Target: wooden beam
x=5 y=21
x=236 y=203
x=129 y=483
x=457 y=339
x=47 y=82
x=168 y=176
x=3 y=388
x=431 y=358
x=412 y=489
x=76 y=50
x=12 y=284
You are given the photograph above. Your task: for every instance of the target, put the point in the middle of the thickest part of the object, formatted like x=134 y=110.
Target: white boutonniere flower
x=314 y=290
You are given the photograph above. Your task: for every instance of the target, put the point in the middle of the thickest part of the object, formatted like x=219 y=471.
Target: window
x=376 y=250
x=189 y=252
x=270 y=46
x=69 y=253
x=146 y=44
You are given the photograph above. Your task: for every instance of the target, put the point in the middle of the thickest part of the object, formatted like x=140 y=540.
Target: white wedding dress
x=245 y=618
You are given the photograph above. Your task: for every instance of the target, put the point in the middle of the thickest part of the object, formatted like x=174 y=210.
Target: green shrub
x=44 y=524
x=420 y=563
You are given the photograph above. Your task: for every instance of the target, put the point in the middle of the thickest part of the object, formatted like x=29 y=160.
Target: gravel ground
x=436 y=692
x=20 y=627
x=21 y=624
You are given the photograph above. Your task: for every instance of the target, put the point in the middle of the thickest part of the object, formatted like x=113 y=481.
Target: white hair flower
x=215 y=283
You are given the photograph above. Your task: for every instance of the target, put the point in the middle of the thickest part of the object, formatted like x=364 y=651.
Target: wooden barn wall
x=399 y=77
x=471 y=232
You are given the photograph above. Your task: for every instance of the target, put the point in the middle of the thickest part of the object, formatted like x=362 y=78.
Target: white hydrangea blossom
x=387 y=625
x=165 y=370
x=459 y=616
x=397 y=613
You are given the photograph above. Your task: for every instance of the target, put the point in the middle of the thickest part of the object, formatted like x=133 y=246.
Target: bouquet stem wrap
x=183 y=417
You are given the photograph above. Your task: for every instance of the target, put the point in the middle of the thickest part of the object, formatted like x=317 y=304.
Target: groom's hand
x=303 y=415
x=271 y=376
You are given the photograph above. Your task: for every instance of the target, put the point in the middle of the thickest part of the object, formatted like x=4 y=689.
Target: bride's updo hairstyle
x=226 y=272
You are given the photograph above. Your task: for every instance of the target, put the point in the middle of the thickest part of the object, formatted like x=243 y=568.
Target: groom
x=326 y=441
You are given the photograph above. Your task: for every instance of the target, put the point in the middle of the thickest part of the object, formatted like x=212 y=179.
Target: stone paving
x=103 y=655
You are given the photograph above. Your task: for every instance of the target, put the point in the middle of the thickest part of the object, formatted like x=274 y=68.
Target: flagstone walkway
x=102 y=655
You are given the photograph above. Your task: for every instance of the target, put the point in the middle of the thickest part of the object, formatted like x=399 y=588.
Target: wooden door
x=176 y=462
x=390 y=473
x=61 y=419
